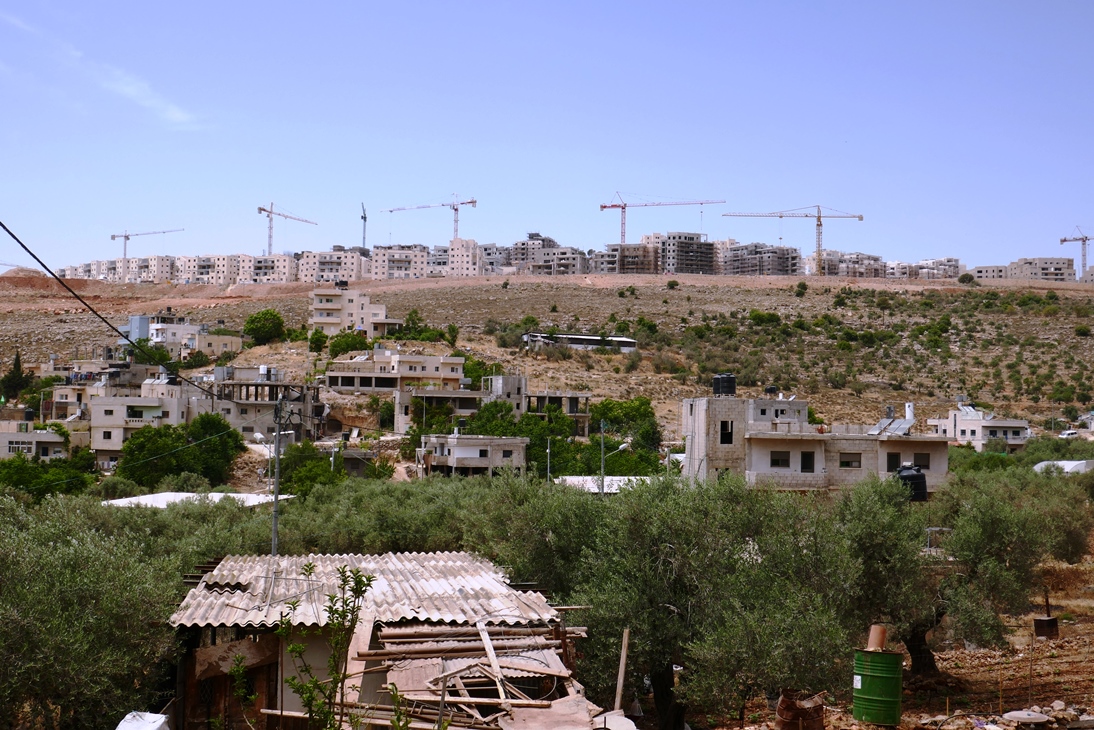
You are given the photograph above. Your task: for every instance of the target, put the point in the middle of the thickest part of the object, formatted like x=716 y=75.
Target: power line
x=91 y=309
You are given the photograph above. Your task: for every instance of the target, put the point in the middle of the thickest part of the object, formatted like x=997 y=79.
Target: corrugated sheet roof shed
x=253 y=591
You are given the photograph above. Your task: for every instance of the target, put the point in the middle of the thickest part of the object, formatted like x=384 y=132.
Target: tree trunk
x=915 y=641
x=670 y=713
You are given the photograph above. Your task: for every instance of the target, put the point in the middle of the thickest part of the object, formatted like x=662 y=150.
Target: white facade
x=969 y=425
x=465 y=258
x=338 y=264
x=400 y=262
x=334 y=309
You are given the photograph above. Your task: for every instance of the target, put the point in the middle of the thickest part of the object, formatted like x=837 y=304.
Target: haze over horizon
x=956 y=130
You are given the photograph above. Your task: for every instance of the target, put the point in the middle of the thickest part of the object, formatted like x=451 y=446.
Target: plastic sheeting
x=143 y=721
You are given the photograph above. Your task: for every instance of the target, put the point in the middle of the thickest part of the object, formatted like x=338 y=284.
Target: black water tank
x=771 y=389
x=725 y=384
x=916 y=480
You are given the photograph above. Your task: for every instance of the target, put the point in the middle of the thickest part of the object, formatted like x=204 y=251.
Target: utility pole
x=364 y=227
x=277 y=470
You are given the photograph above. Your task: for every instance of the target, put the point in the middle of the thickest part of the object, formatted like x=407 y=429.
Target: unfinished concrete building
x=771 y=442
x=461 y=454
x=757 y=259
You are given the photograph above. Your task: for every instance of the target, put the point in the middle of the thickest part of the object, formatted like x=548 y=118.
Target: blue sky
x=956 y=129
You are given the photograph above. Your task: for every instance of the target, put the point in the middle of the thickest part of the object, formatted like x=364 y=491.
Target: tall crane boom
x=455 y=206
x=622 y=206
x=270 y=213
x=364 y=227
x=125 y=246
x=1081 y=238
x=819 y=214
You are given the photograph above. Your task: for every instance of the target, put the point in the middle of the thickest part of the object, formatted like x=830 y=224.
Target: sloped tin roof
x=255 y=590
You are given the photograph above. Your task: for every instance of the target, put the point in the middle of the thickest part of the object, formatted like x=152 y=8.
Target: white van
x=1069 y=434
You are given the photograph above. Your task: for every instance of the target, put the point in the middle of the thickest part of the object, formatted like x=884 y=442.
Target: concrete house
x=771 y=442
x=390 y=370
x=115 y=418
x=20 y=437
x=970 y=425
x=470 y=454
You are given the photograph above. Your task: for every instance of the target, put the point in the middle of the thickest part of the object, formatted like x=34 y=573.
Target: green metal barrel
x=878 y=685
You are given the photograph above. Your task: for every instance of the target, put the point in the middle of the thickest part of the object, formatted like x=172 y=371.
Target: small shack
x=447 y=629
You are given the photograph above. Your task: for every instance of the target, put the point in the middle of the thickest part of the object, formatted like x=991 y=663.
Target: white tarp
x=143 y=721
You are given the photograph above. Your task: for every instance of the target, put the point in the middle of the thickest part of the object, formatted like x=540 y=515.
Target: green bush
x=265 y=326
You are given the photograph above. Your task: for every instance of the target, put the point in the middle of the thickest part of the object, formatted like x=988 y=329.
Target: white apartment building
x=465 y=258
x=338 y=264
x=400 y=261
x=219 y=270
x=523 y=253
x=1042 y=269
x=181 y=340
x=684 y=253
x=755 y=259
x=558 y=261
x=495 y=257
x=277 y=269
x=390 y=370
x=334 y=309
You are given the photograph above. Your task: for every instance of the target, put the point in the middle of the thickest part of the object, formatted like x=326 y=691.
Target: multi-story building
x=771 y=442
x=115 y=418
x=246 y=397
x=437 y=263
x=684 y=253
x=470 y=454
x=182 y=340
x=756 y=259
x=604 y=262
x=854 y=265
x=465 y=258
x=523 y=253
x=219 y=270
x=400 y=261
x=495 y=258
x=558 y=261
x=276 y=269
x=970 y=425
x=334 y=309
x=390 y=370
x=988 y=272
x=338 y=264
x=1042 y=269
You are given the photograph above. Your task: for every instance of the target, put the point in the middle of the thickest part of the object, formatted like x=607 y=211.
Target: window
x=691 y=409
x=108 y=412
x=226 y=411
x=20 y=447
x=962 y=432
x=848 y=460
x=892 y=461
x=406 y=410
x=1014 y=433
x=763 y=411
x=243 y=411
x=807 y=462
x=780 y=459
x=923 y=461
x=483 y=453
x=507 y=453
x=436 y=368
x=725 y=432
x=992 y=433
x=248 y=429
x=270 y=429
x=972 y=433
x=165 y=414
x=24 y=427
x=108 y=435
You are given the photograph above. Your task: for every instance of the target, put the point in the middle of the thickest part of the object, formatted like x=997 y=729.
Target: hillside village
x=775 y=386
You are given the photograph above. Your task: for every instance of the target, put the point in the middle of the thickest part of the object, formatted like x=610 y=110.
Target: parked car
x=1069 y=434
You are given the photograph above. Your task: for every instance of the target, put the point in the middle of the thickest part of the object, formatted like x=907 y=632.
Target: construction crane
x=800 y=213
x=622 y=206
x=125 y=247
x=364 y=226
x=270 y=213
x=455 y=206
x=1081 y=238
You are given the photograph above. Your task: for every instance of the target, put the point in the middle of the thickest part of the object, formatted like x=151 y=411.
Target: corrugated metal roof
x=248 y=590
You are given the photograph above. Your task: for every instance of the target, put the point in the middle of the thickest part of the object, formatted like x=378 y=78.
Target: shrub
x=317 y=341
x=1081 y=330
x=672 y=284
x=197 y=359
x=264 y=326
x=966 y=279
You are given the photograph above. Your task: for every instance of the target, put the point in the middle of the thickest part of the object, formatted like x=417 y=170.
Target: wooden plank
x=622 y=669
x=493 y=659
